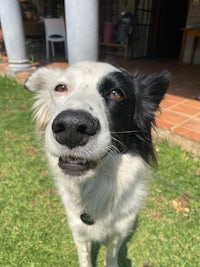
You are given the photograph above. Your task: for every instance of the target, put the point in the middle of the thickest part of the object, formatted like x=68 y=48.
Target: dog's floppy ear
x=150 y=90
x=40 y=82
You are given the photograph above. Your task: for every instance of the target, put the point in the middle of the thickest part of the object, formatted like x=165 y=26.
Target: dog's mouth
x=75 y=166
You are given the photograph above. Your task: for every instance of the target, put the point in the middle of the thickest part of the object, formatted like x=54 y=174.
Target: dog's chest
x=96 y=209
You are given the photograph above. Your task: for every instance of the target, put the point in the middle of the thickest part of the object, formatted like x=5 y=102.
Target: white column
x=82 y=30
x=14 y=38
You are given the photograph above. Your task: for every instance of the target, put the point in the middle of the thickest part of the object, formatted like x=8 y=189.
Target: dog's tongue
x=74 y=166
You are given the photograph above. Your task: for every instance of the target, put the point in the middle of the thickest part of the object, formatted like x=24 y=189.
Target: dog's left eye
x=61 y=88
x=116 y=94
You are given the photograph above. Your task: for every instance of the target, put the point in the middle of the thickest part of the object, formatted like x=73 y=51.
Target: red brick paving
x=180 y=115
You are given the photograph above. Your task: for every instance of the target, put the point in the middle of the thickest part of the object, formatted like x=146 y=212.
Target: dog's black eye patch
x=61 y=88
x=115 y=86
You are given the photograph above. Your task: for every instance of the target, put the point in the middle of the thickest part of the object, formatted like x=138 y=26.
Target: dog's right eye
x=61 y=88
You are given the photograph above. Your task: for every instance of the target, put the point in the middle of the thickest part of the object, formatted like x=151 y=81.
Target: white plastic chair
x=54 y=32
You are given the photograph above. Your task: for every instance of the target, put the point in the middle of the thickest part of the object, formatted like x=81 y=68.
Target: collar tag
x=87 y=219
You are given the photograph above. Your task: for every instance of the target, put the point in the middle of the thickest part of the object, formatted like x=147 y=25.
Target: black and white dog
x=97 y=121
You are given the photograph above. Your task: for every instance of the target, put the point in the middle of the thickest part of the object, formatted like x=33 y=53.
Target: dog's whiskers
x=117 y=150
x=127 y=132
x=112 y=150
x=118 y=140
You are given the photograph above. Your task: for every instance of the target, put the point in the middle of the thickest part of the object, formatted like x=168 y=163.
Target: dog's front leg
x=113 y=247
x=84 y=253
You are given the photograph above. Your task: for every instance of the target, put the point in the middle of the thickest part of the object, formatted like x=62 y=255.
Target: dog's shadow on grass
x=123 y=259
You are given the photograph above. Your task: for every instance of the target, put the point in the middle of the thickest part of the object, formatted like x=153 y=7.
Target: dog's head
x=92 y=109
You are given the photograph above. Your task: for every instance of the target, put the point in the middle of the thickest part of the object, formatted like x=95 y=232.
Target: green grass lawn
x=33 y=229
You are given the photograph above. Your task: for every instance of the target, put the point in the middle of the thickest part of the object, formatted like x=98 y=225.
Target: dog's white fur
x=112 y=192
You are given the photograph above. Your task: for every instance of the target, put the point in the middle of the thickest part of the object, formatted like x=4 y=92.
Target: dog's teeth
x=78 y=161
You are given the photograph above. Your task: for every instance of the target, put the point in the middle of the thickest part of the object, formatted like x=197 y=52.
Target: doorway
x=169 y=16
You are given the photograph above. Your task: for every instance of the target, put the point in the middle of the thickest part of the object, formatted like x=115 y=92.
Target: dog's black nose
x=74 y=127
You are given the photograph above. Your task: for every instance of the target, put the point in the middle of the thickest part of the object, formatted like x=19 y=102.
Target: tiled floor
x=179 y=119
x=180 y=115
